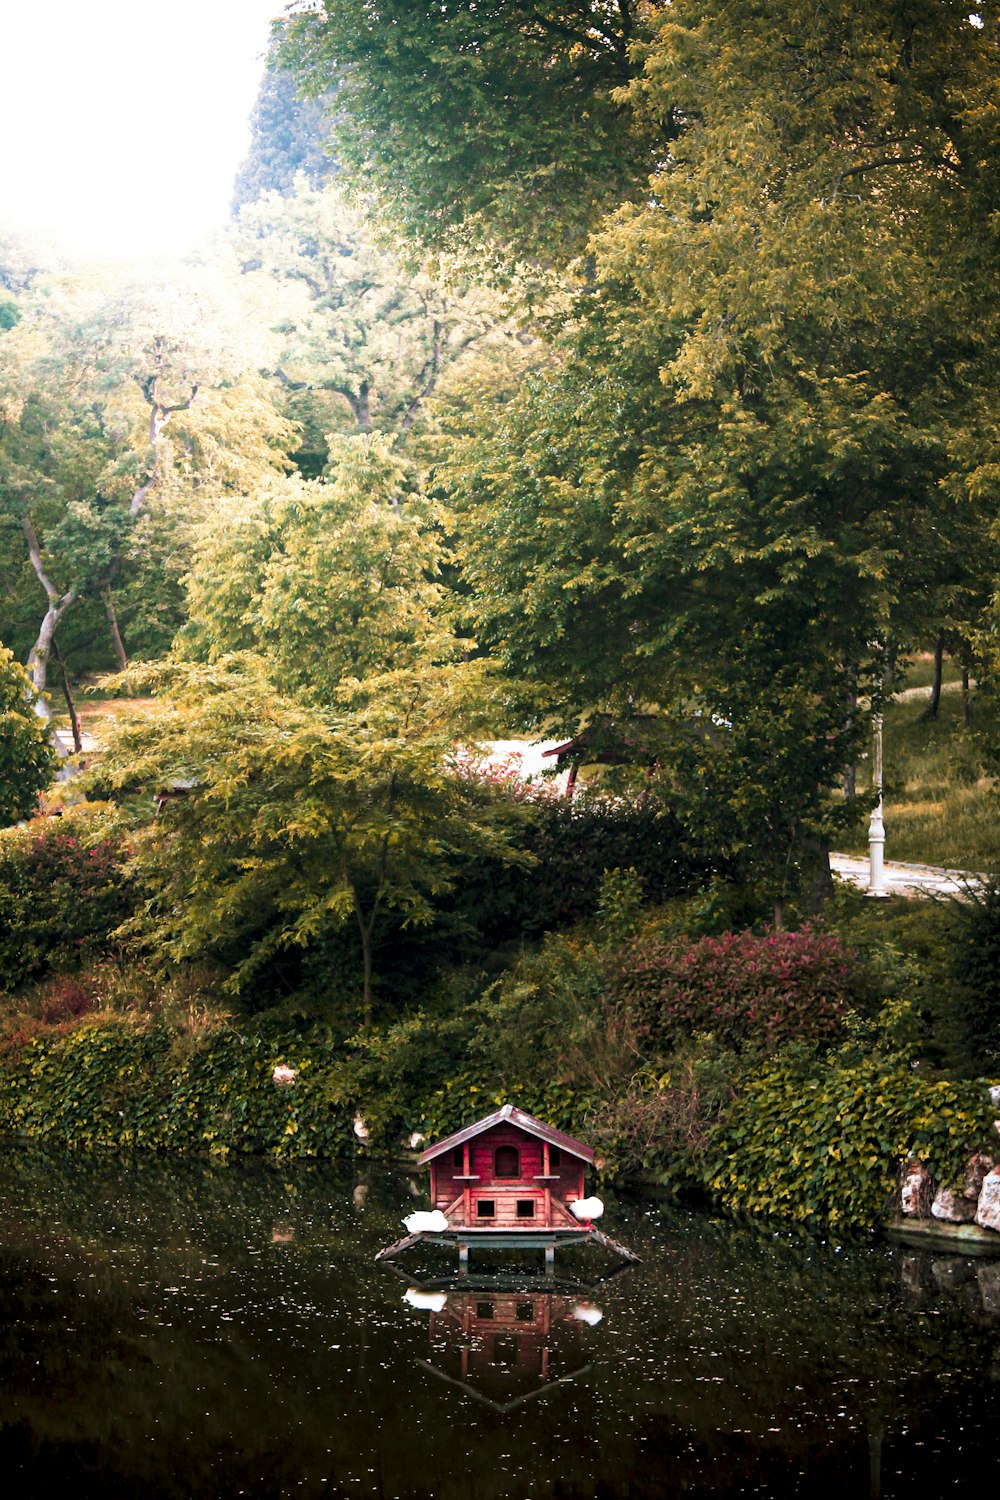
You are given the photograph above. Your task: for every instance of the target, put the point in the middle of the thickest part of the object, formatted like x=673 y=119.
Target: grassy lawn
x=941 y=808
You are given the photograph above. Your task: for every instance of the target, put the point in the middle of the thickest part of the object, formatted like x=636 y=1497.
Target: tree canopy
x=767 y=431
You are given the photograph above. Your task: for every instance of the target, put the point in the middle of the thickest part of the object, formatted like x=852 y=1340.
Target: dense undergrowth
x=783 y=1073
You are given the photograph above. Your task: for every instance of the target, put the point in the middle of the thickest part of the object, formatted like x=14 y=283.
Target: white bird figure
x=586 y=1209
x=429 y=1301
x=586 y=1312
x=360 y=1128
x=422 y=1222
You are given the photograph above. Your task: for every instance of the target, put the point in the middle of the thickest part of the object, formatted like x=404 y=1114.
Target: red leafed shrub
x=749 y=991
x=65 y=998
x=64 y=888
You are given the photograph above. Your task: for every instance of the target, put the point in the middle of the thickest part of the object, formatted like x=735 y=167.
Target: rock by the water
x=956 y=1206
x=988 y=1212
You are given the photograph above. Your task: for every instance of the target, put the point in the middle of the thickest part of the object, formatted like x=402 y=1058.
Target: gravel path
x=907 y=880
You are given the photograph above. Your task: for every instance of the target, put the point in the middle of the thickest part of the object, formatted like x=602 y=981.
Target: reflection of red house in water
x=505 y=1347
x=508 y=1172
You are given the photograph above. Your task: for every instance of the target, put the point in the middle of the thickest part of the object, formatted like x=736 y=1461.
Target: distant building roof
x=510 y=1115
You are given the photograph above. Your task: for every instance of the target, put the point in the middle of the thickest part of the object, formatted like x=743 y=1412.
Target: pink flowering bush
x=748 y=991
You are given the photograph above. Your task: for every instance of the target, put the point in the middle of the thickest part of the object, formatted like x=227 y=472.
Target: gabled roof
x=510 y=1115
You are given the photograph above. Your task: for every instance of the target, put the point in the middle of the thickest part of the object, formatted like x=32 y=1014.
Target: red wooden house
x=508 y=1172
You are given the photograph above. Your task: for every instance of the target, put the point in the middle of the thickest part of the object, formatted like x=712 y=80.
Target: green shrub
x=63 y=891
x=573 y=843
x=974 y=963
x=114 y=1085
x=747 y=991
x=811 y=1141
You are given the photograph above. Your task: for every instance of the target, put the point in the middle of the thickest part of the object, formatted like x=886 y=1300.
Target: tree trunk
x=851 y=704
x=934 y=702
x=107 y=600
x=38 y=656
x=70 y=705
x=965 y=696
x=366 y=927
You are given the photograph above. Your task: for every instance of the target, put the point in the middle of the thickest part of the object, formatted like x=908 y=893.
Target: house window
x=555 y=1158
x=525 y=1208
x=507 y=1162
x=484 y=1311
x=458 y=1159
x=486 y=1209
x=525 y=1312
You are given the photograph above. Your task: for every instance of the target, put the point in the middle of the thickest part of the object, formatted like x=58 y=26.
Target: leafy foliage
x=573 y=843
x=504 y=113
x=329 y=581
x=293 y=822
x=63 y=892
x=27 y=761
x=809 y=1141
x=752 y=993
x=288 y=139
x=974 y=964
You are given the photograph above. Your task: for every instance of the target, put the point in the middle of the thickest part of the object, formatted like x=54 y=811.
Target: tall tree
x=774 y=400
x=365 y=340
x=482 y=121
x=120 y=410
x=295 y=822
x=289 y=137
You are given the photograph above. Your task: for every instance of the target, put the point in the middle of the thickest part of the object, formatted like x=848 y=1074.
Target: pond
x=181 y=1328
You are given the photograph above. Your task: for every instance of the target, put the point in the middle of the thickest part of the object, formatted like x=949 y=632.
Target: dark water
x=175 y=1328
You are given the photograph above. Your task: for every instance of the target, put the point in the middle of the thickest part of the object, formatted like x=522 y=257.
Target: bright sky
x=123 y=122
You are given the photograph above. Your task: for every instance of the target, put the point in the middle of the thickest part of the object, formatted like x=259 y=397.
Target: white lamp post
x=876 y=826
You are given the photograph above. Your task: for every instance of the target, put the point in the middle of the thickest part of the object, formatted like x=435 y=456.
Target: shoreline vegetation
x=786 y=1074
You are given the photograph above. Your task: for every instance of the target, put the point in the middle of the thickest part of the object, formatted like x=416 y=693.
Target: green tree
x=329 y=581
x=27 y=761
x=125 y=412
x=480 y=121
x=364 y=339
x=289 y=138
x=768 y=441
x=291 y=821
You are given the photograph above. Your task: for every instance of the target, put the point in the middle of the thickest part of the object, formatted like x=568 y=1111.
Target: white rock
x=956 y=1206
x=360 y=1128
x=283 y=1075
x=953 y=1207
x=988 y=1212
x=994 y=1093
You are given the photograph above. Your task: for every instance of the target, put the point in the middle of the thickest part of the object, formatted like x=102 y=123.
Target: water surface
x=179 y=1328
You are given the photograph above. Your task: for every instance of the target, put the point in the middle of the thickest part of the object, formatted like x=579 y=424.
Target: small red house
x=508 y=1172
